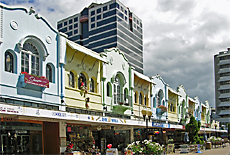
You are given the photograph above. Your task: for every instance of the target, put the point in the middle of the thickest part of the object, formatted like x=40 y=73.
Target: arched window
x=145 y=100
x=71 y=79
x=154 y=102
x=9 y=62
x=92 y=85
x=126 y=97
x=171 y=107
x=135 y=97
x=108 y=89
x=30 y=61
x=82 y=81
x=140 y=99
x=117 y=90
x=49 y=75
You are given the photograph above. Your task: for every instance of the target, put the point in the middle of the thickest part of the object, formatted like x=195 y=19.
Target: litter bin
x=208 y=145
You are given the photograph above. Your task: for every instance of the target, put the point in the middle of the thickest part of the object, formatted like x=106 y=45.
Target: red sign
x=33 y=80
x=68 y=129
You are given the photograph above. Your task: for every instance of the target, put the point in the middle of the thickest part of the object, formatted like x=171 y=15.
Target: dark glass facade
x=107 y=25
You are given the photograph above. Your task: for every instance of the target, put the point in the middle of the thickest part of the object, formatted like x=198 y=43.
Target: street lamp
x=215 y=133
x=149 y=114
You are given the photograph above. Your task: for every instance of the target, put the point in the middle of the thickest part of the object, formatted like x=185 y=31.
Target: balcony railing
x=122 y=99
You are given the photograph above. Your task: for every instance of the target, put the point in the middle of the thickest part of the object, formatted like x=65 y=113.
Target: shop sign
x=33 y=80
x=169 y=129
x=112 y=151
x=59 y=114
x=106 y=119
x=10 y=119
x=176 y=126
x=10 y=109
x=161 y=125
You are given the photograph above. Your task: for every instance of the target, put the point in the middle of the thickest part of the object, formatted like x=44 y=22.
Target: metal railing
x=122 y=99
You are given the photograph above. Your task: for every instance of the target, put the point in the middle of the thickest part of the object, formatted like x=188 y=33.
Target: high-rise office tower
x=102 y=26
x=222 y=85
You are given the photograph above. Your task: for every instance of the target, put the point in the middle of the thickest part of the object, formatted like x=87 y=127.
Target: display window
x=94 y=139
x=20 y=137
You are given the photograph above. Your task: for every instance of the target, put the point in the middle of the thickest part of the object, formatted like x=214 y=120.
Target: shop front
x=20 y=137
x=95 y=137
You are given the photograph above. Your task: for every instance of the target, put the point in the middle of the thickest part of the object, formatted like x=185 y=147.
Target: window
x=140 y=99
x=82 y=81
x=70 y=27
x=9 y=62
x=111 y=6
x=135 y=97
x=145 y=100
x=126 y=97
x=65 y=23
x=92 y=19
x=108 y=89
x=49 y=73
x=92 y=13
x=98 y=17
x=92 y=85
x=104 y=8
x=75 y=19
x=75 y=31
x=30 y=59
x=59 y=25
x=99 y=10
x=70 y=21
x=93 y=25
x=75 y=25
x=71 y=79
x=117 y=90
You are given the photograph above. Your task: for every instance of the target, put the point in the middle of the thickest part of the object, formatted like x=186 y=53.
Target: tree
x=192 y=128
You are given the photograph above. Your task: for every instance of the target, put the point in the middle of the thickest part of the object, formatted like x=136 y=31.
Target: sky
x=180 y=37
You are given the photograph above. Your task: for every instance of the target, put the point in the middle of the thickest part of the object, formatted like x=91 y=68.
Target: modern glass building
x=102 y=26
x=222 y=85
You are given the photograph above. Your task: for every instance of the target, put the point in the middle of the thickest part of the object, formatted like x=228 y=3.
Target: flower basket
x=163 y=108
x=145 y=147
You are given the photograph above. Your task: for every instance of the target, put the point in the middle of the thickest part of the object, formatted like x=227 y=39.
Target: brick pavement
x=213 y=151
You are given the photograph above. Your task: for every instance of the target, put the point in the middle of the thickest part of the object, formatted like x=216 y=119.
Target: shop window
x=9 y=62
x=92 y=85
x=49 y=74
x=82 y=81
x=30 y=61
x=71 y=79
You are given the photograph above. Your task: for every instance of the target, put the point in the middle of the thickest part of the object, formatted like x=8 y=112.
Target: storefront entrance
x=20 y=138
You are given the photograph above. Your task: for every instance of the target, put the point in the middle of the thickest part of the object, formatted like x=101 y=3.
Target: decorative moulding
x=14 y=25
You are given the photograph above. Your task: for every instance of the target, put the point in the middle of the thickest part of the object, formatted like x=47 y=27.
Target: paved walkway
x=213 y=151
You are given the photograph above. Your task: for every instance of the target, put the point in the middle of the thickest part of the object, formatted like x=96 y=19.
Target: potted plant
x=145 y=147
x=163 y=108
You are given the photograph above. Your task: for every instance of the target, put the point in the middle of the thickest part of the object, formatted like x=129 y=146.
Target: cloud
x=180 y=37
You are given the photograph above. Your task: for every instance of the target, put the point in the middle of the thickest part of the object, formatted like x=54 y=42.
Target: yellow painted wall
x=143 y=87
x=78 y=62
x=172 y=100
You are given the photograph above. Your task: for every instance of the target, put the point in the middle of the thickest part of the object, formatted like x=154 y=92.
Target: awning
x=85 y=50
x=141 y=76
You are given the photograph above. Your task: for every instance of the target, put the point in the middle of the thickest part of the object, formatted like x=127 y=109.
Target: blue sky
x=180 y=37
